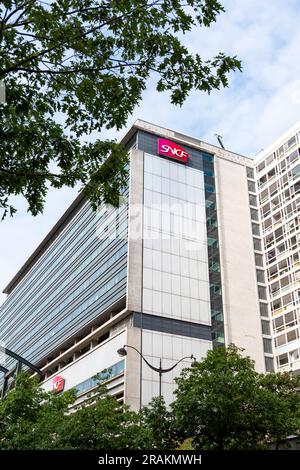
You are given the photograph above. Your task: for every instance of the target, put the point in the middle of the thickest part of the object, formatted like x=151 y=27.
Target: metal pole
x=160 y=377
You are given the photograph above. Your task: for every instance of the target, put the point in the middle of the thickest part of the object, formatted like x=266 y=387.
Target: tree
x=74 y=68
x=34 y=419
x=159 y=426
x=281 y=401
x=30 y=418
x=222 y=403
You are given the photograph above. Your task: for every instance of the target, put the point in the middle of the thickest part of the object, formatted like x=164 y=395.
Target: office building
x=177 y=269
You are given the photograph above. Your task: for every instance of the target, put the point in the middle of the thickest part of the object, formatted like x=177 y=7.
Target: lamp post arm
x=157 y=369
x=24 y=361
x=3 y=369
x=173 y=367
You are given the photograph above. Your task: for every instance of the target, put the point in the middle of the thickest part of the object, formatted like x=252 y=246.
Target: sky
x=260 y=104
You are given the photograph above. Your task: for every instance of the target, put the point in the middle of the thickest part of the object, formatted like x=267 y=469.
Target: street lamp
x=11 y=373
x=122 y=352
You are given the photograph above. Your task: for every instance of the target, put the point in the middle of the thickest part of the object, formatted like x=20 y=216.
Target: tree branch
x=28 y=173
x=80 y=70
x=42 y=52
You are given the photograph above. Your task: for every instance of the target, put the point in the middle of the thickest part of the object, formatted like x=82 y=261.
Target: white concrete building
x=277 y=171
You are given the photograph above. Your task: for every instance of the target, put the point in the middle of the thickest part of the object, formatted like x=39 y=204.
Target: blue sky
x=261 y=103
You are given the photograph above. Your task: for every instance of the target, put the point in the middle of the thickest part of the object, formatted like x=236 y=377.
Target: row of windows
x=283 y=248
x=260 y=275
x=40 y=321
x=103 y=376
x=287 y=185
x=56 y=288
x=288 y=337
x=74 y=316
x=288 y=358
x=54 y=264
x=284 y=266
x=218 y=336
x=278 y=154
x=285 y=302
x=286 y=321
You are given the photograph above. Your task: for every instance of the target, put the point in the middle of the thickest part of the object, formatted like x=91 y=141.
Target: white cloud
x=261 y=103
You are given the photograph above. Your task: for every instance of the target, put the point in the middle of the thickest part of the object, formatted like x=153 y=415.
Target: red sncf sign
x=173 y=150
x=58 y=384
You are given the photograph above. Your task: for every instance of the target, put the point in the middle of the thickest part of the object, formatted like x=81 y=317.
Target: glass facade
x=78 y=277
x=204 y=162
x=217 y=320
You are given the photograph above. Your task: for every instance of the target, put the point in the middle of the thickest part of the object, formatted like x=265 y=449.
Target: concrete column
x=135 y=231
x=132 y=375
x=239 y=285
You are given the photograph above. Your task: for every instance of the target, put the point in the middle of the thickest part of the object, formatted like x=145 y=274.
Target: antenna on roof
x=219 y=137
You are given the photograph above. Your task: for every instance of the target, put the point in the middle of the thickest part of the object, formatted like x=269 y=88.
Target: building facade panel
x=81 y=274
x=240 y=294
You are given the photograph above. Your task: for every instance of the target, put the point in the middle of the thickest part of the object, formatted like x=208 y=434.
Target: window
x=278 y=233
x=283 y=165
x=276 y=217
x=261 y=166
x=217 y=315
x=258 y=260
x=271 y=256
x=260 y=276
x=267 y=223
x=212 y=242
x=255 y=229
x=208 y=158
x=290 y=319
x=292 y=335
x=291 y=141
x=257 y=244
x=268 y=345
x=293 y=156
x=250 y=172
x=270 y=159
x=263 y=310
x=266 y=209
x=265 y=326
x=251 y=186
x=262 y=180
x=252 y=200
x=283 y=359
x=215 y=290
x=271 y=173
x=273 y=189
x=214 y=266
x=276 y=305
x=280 y=340
x=254 y=214
x=269 y=363
x=209 y=188
x=281 y=248
x=281 y=151
x=262 y=293
x=278 y=324
x=296 y=171
x=263 y=195
x=269 y=240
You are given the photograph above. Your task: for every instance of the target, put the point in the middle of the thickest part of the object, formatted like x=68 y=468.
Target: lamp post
x=122 y=352
x=15 y=371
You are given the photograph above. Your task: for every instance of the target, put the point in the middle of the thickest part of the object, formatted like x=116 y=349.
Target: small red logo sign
x=173 y=150
x=58 y=384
